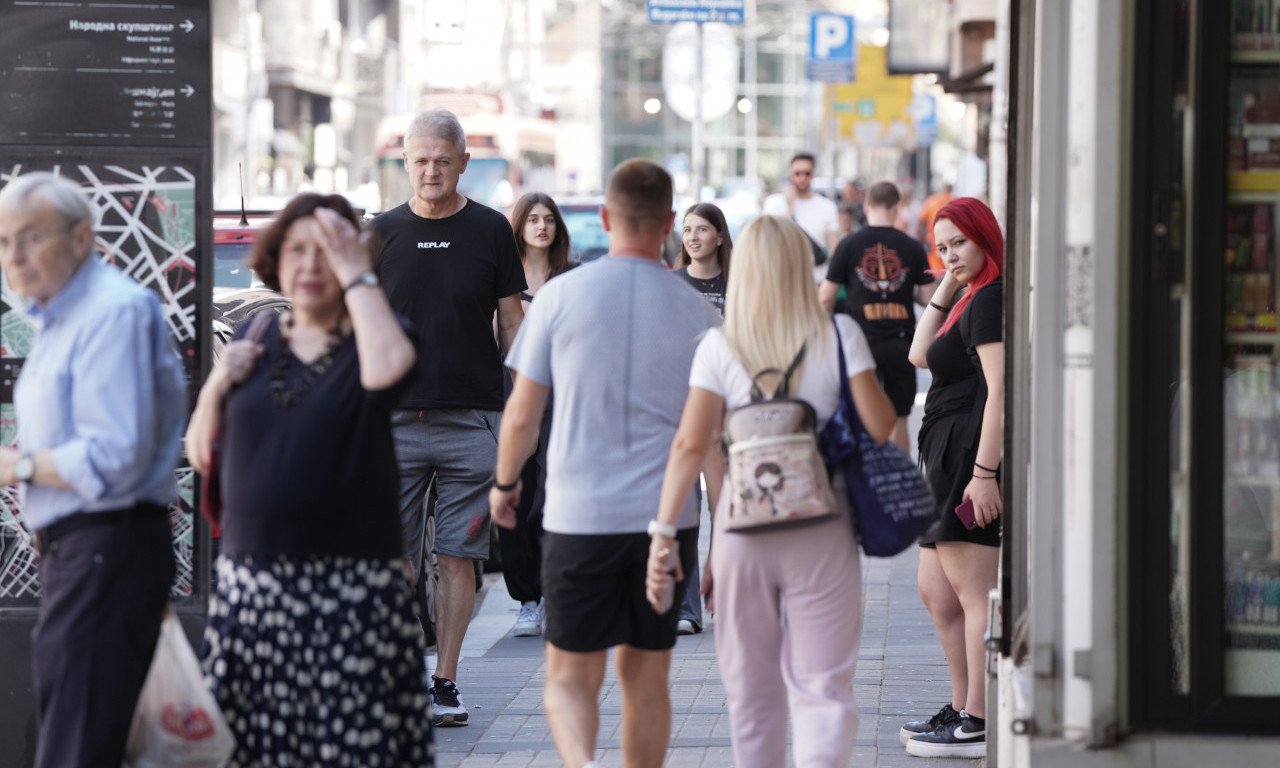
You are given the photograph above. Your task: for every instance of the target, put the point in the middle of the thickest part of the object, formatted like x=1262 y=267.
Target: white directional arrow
x=187 y=26
x=187 y=91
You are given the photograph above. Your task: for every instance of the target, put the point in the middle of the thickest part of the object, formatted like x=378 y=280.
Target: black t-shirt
x=958 y=385
x=880 y=268
x=712 y=290
x=446 y=275
x=319 y=478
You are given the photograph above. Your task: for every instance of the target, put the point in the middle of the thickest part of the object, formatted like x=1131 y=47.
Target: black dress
x=952 y=422
x=312 y=648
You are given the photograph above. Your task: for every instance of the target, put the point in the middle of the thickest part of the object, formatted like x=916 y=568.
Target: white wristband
x=664 y=529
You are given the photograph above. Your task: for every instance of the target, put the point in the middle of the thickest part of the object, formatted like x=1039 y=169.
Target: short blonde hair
x=771 y=302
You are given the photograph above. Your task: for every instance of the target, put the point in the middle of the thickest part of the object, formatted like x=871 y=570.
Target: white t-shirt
x=616 y=339
x=815 y=214
x=716 y=370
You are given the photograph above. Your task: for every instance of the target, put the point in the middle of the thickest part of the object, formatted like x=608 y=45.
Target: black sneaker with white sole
x=946 y=716
x=446 y=705
x=967 y=738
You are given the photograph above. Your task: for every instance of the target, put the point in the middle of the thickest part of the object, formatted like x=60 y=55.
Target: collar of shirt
x=67 y=298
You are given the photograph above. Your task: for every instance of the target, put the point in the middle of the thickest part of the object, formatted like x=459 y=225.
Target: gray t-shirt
x=616 y=338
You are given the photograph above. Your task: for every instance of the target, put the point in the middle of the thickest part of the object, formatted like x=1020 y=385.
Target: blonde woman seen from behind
x=788 y=601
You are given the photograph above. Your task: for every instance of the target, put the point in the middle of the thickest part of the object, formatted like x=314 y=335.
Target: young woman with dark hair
x=960 y=339
x=704 y=252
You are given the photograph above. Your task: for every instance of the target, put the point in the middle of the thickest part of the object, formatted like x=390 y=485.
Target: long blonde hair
x=771 y=303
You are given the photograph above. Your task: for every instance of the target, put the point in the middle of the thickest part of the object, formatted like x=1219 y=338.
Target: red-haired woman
x=961 y=342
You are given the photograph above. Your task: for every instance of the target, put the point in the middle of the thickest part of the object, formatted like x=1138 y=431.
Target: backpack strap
x=784 y=384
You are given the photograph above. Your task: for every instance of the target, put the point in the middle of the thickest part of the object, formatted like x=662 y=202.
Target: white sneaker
x=687 y=627
x=529 y=622
x=447 y=708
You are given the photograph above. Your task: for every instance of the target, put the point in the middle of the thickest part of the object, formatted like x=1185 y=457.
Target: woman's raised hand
x=344 y=246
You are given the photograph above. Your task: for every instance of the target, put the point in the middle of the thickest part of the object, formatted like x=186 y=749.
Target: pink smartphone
x=965 y=513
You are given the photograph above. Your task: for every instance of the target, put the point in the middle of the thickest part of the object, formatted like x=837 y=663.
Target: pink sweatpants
x=788 y=626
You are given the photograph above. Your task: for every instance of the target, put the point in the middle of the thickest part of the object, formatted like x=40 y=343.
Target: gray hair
x=30 y=191
x=439 y=124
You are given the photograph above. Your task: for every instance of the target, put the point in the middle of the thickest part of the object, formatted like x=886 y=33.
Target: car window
x=586 y=234
x=229 y=266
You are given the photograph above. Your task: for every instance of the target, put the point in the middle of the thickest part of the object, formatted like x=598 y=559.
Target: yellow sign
x=874 y=110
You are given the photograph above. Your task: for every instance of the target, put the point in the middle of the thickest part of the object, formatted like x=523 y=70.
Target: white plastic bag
x=177 y=724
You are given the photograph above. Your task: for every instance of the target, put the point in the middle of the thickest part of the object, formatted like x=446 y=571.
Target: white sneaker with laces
x=529 y=622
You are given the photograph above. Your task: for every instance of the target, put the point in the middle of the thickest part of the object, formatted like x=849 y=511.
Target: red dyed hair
x=976 y=221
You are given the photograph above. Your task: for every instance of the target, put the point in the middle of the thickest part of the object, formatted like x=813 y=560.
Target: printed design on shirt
x=881 y=270
x=428 y=245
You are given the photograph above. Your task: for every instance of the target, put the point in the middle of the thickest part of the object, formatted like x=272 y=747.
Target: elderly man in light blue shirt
x=101 y=406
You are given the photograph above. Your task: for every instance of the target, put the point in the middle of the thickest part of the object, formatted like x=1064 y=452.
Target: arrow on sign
x=186 y=25
x=187 y=91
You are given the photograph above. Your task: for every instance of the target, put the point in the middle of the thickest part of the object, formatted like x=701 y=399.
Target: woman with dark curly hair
x=312 y=648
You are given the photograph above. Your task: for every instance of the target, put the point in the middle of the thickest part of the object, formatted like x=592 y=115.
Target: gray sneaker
x=529 y=622
x=946 y=716
x=447 y=709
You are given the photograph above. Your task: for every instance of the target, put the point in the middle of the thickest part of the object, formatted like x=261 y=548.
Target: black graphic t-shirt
x=712 y=290
x=446 y=275
x=880 y=268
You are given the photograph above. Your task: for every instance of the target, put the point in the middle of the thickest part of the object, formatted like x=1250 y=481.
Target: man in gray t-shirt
x=616 y=338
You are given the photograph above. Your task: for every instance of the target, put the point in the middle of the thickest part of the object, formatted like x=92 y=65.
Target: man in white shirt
x=814 y=213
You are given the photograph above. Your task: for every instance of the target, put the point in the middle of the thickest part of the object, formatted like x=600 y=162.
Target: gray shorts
x=459 y=448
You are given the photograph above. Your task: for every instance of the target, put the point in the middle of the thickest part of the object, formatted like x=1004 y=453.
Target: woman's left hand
x=345 y=246
x=663 y=569
x=985 y=494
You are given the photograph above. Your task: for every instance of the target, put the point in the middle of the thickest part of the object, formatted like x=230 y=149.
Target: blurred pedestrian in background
x=801 y=203
x=884 y=274
x=543 y=242
x=924 y=226
x=852 y=209
x=312 y=648
x=449 y=264
x=101 y=402
x=615 y=339
x=788 y=601
x=961 y=340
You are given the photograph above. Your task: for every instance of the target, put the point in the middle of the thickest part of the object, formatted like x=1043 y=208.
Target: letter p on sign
x=831 y=36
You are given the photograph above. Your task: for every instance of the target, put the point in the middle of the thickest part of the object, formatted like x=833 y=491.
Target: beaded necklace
x=281 y=394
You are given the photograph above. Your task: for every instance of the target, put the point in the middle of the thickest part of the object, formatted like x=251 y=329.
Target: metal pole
x=753 y=93
x=697 y=161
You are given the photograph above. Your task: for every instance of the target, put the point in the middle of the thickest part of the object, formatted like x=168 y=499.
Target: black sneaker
x=967 y=738
x=446 y=705
x=946 y=716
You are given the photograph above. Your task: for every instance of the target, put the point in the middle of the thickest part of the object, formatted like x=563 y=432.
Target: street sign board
x=881 y=114
x=924 y=113
x=102 y=73
x=831 y=48
x=700 y=11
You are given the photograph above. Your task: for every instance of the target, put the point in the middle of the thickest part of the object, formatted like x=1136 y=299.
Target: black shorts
x=593 y=586
x=896 y=374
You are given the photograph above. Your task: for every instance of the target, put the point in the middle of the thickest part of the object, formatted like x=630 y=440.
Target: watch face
x=24 y=469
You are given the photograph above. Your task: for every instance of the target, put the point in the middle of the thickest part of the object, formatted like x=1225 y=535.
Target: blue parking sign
x=831 y=48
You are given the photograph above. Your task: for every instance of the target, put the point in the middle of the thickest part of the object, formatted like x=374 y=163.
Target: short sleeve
x=838 y=269
x=857 y=353
x=986 y=315
x=921 y=268
x=708 y=369
x=509 y=273
x=775 y=205
x=530 y=354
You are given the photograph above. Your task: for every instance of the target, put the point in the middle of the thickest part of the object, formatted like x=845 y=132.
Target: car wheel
x=428 y=570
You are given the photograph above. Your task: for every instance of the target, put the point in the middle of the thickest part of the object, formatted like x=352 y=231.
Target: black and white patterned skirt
x=318 y=661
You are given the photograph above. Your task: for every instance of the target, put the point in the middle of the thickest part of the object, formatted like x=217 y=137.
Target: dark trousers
x=105 y=584
x=522 y=548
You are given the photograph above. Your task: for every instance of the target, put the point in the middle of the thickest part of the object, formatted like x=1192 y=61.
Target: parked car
x=587 y=239
x=234 y=233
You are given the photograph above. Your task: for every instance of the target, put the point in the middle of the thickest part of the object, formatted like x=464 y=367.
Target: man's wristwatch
x=24 y=469
x=364 y=278
x=662 y=529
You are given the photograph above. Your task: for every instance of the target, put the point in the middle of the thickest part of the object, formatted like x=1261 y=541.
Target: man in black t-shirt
x=448 y=264
x=884 y=273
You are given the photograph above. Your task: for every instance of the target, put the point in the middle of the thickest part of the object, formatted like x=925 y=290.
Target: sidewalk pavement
x=902 y=675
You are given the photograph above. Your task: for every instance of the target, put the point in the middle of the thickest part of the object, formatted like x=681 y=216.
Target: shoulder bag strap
x=258 y=326
x=846 y=397
x=784 y=383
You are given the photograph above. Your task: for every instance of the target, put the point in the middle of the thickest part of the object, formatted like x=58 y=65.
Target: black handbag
x=890 y=503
